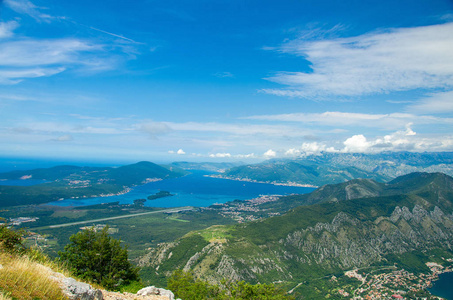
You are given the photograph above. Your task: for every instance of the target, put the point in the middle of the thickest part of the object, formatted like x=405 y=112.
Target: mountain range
x=328 y=168
x=361 y=223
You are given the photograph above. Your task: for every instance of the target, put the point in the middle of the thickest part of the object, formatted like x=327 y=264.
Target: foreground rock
x=76 y=290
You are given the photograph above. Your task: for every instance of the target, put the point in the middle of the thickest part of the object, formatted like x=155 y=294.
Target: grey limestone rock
x=152 y=290
x=80 y=291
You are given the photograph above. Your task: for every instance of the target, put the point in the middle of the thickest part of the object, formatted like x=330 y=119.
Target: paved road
x=170 y=210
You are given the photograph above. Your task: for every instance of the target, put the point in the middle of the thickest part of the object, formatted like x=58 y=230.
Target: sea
x=196 y=189
x=444 y=286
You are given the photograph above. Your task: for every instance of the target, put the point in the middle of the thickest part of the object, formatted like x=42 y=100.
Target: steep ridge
x=354 y=225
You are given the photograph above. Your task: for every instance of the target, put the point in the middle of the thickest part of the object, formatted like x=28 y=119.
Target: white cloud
x=31 y=58
x=356 y=144
x=270 y=153
x=6 y=29
x=397 y=60
x=403 y=140
x=13 y=76
x=155 y=128
x=238 y=129
x=28 y=8
x=224 y=75
x=313 y=148
x=63 y=138
x=220 y=155
x=31 y=52
x=180 y=152
x=435 y=103
x=334 y=118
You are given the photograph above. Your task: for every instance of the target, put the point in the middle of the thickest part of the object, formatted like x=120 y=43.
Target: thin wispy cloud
x=63 y=138
x=7 y=28
x=31 y=58
x=396 y=60
x=14 y=76
x=28 y=8
x=335 y=118
x=224 y=75
x=115 y=35
x=434 y=103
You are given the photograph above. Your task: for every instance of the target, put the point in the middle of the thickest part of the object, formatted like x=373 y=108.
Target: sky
x=224 y=80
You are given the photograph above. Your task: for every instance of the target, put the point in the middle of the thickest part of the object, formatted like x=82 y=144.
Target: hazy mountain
x=330 y=168
x=207 y=166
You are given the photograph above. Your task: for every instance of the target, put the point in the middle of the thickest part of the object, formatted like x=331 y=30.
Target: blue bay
x=444 y=286
x=192 y=190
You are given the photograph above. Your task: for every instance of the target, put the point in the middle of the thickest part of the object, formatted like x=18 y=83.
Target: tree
x=11 y=240
x=100 y=258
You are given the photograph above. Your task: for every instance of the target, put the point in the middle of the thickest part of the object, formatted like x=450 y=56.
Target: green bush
x=186 y=287
x=11 y=240
x=97 y=257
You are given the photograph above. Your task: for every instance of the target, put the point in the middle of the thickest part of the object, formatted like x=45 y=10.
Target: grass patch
x=176 y=219
x=22 y=278
x=216 y=233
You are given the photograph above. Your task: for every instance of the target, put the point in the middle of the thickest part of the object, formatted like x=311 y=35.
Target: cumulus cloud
x=179 y=152
x=356 y=144
x=402 y=140
x=396 y=60
x=313 y=148
x=220 y=155
x=270 y=153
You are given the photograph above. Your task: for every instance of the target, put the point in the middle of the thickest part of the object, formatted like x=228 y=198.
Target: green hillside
x=79 y=182
x=402 y=224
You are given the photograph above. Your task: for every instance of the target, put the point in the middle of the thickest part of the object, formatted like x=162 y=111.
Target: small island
x=160 y=194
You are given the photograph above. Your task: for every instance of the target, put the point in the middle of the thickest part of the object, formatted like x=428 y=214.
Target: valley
x=360 y=238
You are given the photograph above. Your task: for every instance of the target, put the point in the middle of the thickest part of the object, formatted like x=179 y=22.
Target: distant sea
x=8 y=164
x=192 y=190
x=444 y=286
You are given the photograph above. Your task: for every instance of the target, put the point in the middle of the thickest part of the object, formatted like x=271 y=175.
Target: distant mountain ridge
x=74 y=182
x=404 y=223
x=328 y=168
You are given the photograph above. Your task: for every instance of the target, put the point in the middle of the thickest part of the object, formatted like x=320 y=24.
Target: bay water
x=195 y=189
x=444 y=286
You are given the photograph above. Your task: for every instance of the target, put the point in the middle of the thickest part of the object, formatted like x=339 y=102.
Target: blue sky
x=224 y=80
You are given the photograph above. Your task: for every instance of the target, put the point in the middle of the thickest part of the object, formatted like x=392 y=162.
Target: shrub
x=97 y=257
x=186 y=287
x=10 y=240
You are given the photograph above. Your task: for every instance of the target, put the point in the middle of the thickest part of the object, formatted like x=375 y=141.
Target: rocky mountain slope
x=357 y=224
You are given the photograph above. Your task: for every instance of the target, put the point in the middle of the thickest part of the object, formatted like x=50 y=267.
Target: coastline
x=265 y=182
